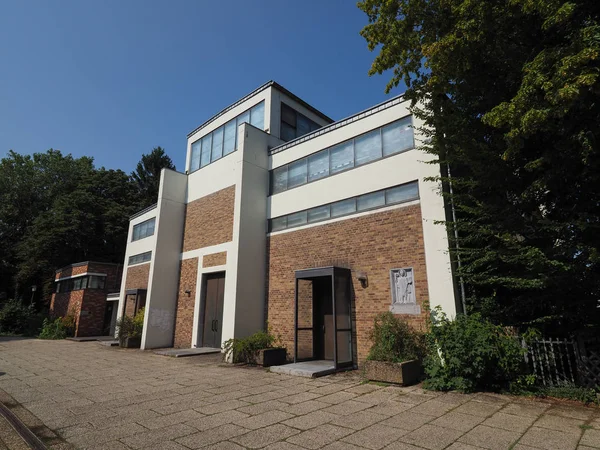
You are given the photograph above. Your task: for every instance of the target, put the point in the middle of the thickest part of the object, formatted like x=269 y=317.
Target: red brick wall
x=67 y=304
x=373 y=244
x=184 y=313
x=91 y=317
x=209 y=220
x=71 y=271
x=137 y=277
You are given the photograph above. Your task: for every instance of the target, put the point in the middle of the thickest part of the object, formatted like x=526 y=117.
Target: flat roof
x=340 y=123
x=143 y=211
x=86 y=263
x=259 y=89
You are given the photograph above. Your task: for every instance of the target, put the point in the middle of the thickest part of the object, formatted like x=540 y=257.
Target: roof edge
x=256 y=91
x=143 y=211
x=86 y=263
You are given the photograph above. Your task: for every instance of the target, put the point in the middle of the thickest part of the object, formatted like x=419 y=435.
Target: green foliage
x=394 y=340
x=15 y=317
x=246 y=350
x=566 y=391
x=130 y=327
x=470 y=353
x=147 y=174
x=56 y=210
x=59 y=328
x=509 y=95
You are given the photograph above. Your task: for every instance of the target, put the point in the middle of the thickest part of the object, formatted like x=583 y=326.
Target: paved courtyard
x=84 y=395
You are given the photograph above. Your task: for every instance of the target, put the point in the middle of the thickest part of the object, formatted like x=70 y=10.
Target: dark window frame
x=313 y=126
x=138 y=226
x=79 y=283
x=143 y=257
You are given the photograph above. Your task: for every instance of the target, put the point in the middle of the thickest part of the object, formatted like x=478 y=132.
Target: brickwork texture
x=214 y=259
x=184 y=314
x=371 y=244
x=209 y=220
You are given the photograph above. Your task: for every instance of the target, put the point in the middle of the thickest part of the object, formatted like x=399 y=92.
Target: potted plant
x=130 y=329
x=397 y=351
x=262 y=348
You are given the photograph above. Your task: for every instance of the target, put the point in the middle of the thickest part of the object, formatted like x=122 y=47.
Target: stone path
x=84 y=395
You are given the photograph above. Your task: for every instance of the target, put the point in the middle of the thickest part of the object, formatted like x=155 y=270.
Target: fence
x=561 y=361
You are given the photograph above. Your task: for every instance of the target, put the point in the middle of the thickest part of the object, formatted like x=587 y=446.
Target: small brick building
x=83 y=290
x=284 y=216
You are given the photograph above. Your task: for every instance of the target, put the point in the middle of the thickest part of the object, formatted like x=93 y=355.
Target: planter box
x=404 y=373
x=271 y=357
x=132 y=342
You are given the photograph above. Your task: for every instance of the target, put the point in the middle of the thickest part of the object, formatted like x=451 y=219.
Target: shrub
x=394 y=340
x=526 y=385
x=470 y=353
x=246 y=350
x=15 y=317
x=59 y=328
x=130 y=327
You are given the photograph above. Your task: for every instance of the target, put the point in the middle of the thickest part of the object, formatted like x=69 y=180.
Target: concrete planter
x=271 y=357
x=404 y=373
x=132 y=342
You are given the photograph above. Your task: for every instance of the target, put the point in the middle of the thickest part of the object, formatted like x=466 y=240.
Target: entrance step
x=182 y=352
x=109 y=343
x=307 y=369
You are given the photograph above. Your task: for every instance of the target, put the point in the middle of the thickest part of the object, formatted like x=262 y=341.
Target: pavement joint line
x=22 y=430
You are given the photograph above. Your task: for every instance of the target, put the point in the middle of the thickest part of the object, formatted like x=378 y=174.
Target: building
x=89 y=292
x=287 y=217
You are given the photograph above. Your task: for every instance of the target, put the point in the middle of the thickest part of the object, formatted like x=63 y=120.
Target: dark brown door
x=213 y=310
x=323 y=318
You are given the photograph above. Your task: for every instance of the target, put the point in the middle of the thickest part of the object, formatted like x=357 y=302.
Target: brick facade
x=184 y=313
x=87 y=306
x=372 y=244
x=137 y=277
x=214 y=259
x=209 y=220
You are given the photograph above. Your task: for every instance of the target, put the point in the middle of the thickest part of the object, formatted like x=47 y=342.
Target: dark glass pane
x=288 y=115
x=279 y=179
x=287 y=132
x=344 y=347
x=279 y=223
x=302 y=125
x=305 y=304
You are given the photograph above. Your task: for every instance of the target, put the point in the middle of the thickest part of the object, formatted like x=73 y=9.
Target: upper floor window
x=391 y=139
x=144 y=229
x=224 y=140
x=294 y=124
x=84 y=282
x=140 y=258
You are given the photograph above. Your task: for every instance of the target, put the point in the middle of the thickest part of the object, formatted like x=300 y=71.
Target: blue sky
x=113 y=79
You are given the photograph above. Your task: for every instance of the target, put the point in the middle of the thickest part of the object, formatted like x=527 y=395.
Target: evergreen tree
x=147 y=174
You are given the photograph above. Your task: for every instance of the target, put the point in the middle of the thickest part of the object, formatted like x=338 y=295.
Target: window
x=297 y=173
x=391 y=139
x=294 y=124
x=279 y=179
x=367 y=147
x=373 y=200
x=224 y=140
x=342 y=157
x=318 y=165
x=397 y=137
x=81 y=282
x=144 y=229
x=140 y=258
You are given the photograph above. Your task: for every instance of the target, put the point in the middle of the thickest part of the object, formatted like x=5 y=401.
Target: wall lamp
x=188 y=292
x=364 y=280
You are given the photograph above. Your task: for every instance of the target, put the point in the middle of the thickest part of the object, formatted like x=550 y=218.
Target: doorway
x=323 y=322
x=214 y=294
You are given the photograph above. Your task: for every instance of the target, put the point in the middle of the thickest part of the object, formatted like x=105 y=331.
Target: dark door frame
x=202 y=312
x=333 y=273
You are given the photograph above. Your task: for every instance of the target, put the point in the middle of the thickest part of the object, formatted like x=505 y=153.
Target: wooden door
x=214 y=294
